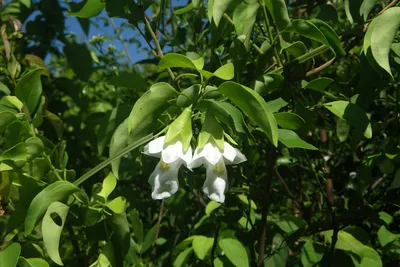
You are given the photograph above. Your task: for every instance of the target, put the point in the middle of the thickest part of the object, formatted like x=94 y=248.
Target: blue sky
x=72 y=25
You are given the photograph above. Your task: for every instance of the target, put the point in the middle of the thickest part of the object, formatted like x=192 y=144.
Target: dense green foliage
x=308 y=91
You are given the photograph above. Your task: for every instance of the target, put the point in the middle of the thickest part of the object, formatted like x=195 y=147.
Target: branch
x=157 y=231
x=287 y=189
x=320 y=68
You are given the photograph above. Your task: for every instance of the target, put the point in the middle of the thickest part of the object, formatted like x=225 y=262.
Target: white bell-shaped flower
x=164 y=179
x=215 y=159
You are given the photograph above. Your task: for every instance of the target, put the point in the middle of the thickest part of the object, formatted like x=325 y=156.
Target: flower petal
x=164 y=180
x=154 y=147
x=229 y=152
x=187 y=157
x=172 y=152
x=216 y=182
x=239 y=158
x=197 y=158
x=212 y=153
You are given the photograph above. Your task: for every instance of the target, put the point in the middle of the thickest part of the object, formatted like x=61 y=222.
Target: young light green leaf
x=149 y=102
x=54 y=192
x=225 y=72
x=188 y=96
x=254 y=106
x=184 y=10
x=289 y=120
x=219 y=8
x=245 y=12
x=202 y=245
x=11 y=104
x=234 y=251
x=211 y=131
x=311 y=254
x=382 y=36
x=291 y=140
x=52 y=225
x=90 y=8
x=34 y=147
x=211 y=206
x=109 y=184
x=117 y=205
x=183 y=257
x=32 y=262
x=276 y=105
x=181 y=128
x=29 y=89
x=174 y=60
x=9 y=256
x=385 y=236
x=366 y=7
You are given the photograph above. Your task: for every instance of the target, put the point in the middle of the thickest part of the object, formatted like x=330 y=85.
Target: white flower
x=164 y=179
x=215 y=160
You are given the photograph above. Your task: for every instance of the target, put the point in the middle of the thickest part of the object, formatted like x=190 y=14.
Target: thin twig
x=391 y=4
x=157 y=231
x=117 y=31
x=160 y=53
x=287 y=188
x=320 y=68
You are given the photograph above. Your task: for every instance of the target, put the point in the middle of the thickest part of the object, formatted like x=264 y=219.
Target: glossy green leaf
x=352 y=10
x=279 y=12
x=188 y=96
x=385 y=236
x=382 y=36
x=330 y=35
x=149 y=102
x=211 y=206
x=181 y=129
x=219 y=8
x=6 y=118
x=15 y=153
x=4 y=89
x=225 y=72
x=352 y=113
x=366 y=7
x=109 y=184
x=289 y=120
x=311 y=254
x=34 y=147
x=183 y=257
x=57 y=191
x=245 y=11
x=342 y=129
x=291 y=140
x=90 y=8
x=9 y=256
x=52 y=226
x=11 y=104
x=276 y=105
x=32 y=262
x=121 y=238
x=29 y=89
x=254 y=106
x=184 y=10
x=202 y=245
x=325 y=12
x=234 y=251
x=307 y=29
x=211 y=131
x=320 y=84
x=149 y=239
x=174 y=60
x=117 y=205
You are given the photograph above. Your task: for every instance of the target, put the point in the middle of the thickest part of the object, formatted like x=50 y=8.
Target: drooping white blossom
x=164 y=179
x=215 y=159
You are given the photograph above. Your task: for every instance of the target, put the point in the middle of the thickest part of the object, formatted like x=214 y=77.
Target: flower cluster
x=164 y=179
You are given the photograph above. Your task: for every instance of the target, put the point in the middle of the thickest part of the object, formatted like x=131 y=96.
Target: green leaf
x=330 y=35
x=352 y=10
x=149 y=239
x=382 y=36
x=211 y=131
x=342 y=129
x=366 y=7
x=320 y=84
x=325 y=12
x=29 y=89
x=219 y=8
x=149 y=102
x=367 y=256
x=279 y=12
x=385 y=217
x=352 y=113
x=9 y=256
x=117 y=205
x=291 y=140
x=188 y=96
x=54 y=192
x=202 y=245
x=121 y=238
x=4 y=89
x=254 y=106
x=34 y=147
x=52 y=226
x=15 y=153
x=129 y=80
x=225 y=72
x=174 y=60
x=234 y=251
x=32 y=262
x=245 y=12
x=137 y=226
x=6 y=118
x=385 y=236
x=80 y=60
x=183 y=257
x=290 y=224
x=181 y=129
x=90 y=8
x=211 y=206
x=11 y=104
x=109 y=184
x=184 y=10
x=289 y=120
x=276 y=105
x=311 y=254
